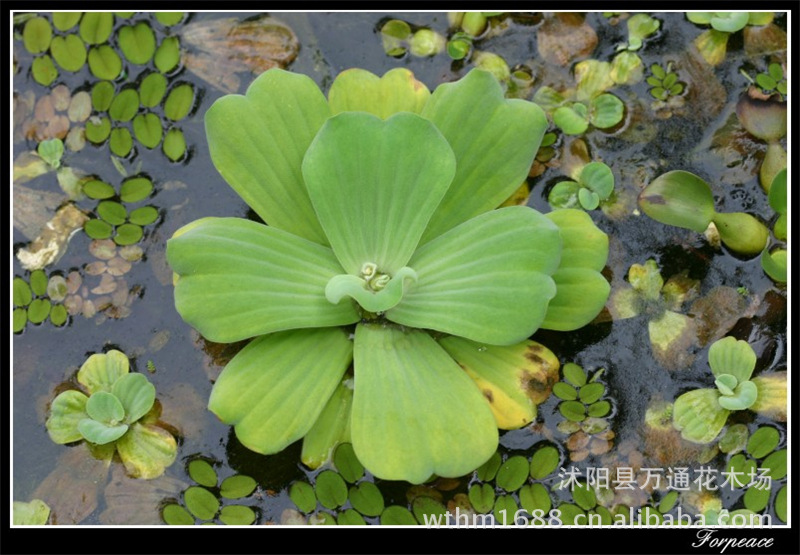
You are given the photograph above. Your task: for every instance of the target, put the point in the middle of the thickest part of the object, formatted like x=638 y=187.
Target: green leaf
x=588 y=199
x=120 y=142
x=66 y=411
x=152 y=90
x=570 y=121
x=488 y=470
x=36 y=35
x=240 y=279
x=565 y=391
x=331 y=489
x=69 y=52
x=408 y=422
x=97 y=189
x=64 y=21
x=124 y=106
x=237 y=515
x=776 y=463
x=168 y=54
x=742 y=233
x=544 y=462
x=564 y=195
x=58 y=315
x=350 y=517
x=96 y=27
x=513 y=473
x=744 y=396
x=598 y=178
x=726 y=383
x=732 y=356
x=35 y=513
x=367 y=499
x=237 y=486
x=729 y=22
x=593 y=78
x=733 y=440
x=396 y=515
x=101 y=371
x=135 y=189
x=128 y=234
x=97 y=132
x=203 y=473
x=20 y=319
x=591 y=392
x=169 y=18
x=505 y=507
x=257 y=142
x=179 y=102
x=574 y=374
x=274 y=405
x=700 y=18
x=548 y=99
x=766 y=82
x=762 y=442
x=331 y=428
x=145 y=215
x=174 y=144
x=98 y=229
x=102 y=95
x=104 y=62
x=43 y=70
x=346 y=462
x=712 y=45
x=38 y=281
x=777 y=193
x=698 y=415
x=679 y=198
x=112 y=212
x=136 y=394
x=481 y=497
x=642 y=25
x=105 y=407
x=599 y=409
x=22 y=292
x=606 y=111
x=775 y=264
x=147 y=128
x=146 y=451
x=627 y=68
x=756 y=499
x=38 y=310
x=358 y=90
x=201 y=502
x=302 y=495
x=482 y=127
x=425 y=507
x=584 y=496
x=374 y=185
x=137 y=42
x=572 y=410
x=781 y=504
x=487 y=279
x=535 y=497
x=101 y=433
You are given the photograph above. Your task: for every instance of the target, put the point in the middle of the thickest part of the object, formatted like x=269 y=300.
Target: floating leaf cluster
x=112 y=218
x=594 y=184
x=39 y=298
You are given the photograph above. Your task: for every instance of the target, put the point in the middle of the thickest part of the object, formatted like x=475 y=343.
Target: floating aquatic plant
x=594 y=183
x=36 y=299
x=383 y=218
x=713 y=43
x=114 y=411
x=774 y=261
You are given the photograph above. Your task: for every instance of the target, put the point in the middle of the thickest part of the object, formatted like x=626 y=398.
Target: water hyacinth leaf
x=679 y=198
x=19 y=319
x=112 y=212
x=564 y=194
x=572 y=410
x=146 y=451
x=96 y=27
x=741 y=232
x=374 y=185
x=64 y=21
x=346 y=462
x=102 y=95
x=280 y=403
x=402 y=428
x=481 y=497
x=258 y=141
x=105 y=407
x=98 y=229
x=606 y=110
x=775 y=264
x=699 y=416
x=331 y=489
x=360 y=90
x=21 y=292
x=574 y=374
x=239 y=279
x=777 y=464
x=38 y=310
x=395 y=515
x=169 y=18
x=201 y=502
x=505 y=507
x=168 y=54
x=69 y=52
x=174 y=144
x=762 y=442
x=588 y=199
x=513 y=473
x=152 y=90
x=147 y=128
x=732 y=356
x=570 y=121
x=104 y=62
x=237 y=486
x=66 y=411
x=744 y=396
x=535 y=497
x=488 y=470
x=487 y=279
x=179 y=102
x=124 y=106
x=237 y=515
x=100 y=433
x=544 y=462
x=58 y=315
x=481 y=127
x=120 y=142
x=137 y=42
x=427 y=509
x=36 y=35
x=136 y=394
x=100 y=371
x=98 y=129
x=303 y=496
x=43 y=70
x=203 y=473
x=145 y=215
x=34 y=513
x=514 y=379
x=367 y=499
x=135 y=189
x=331 y=428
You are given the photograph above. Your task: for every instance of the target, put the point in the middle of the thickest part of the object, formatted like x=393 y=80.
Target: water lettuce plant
x=380 y=203
x=114 y=412
x=593 y=183
x=701 y=414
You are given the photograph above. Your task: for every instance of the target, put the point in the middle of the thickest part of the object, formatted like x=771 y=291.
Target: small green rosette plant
x=385 y=287
x=117 y=415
